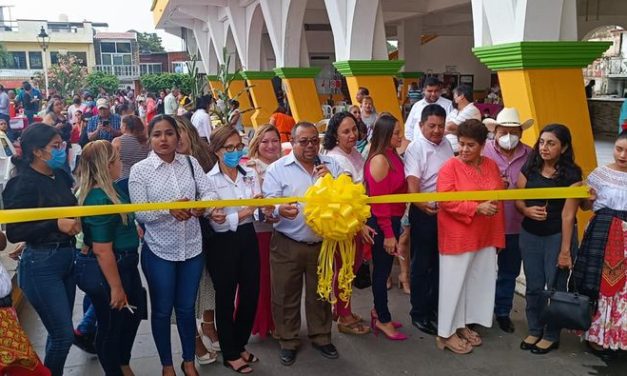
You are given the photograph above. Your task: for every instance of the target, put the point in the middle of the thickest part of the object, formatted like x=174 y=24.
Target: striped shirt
x=131 y=152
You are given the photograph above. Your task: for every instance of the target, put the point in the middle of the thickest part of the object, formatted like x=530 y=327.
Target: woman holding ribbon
x=384 y=174
x=550 y=164
x=236 y=270
x=107 y=269
x=45 y=270
x=339 y=143
x=469 y=233
x=171 y=256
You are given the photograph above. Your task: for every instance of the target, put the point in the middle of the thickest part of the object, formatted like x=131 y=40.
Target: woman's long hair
x=197 y=147
x=566 y=170
x=36 y=136
x=93 y=168
x=135 y=125
x=218 y=139
x=253 y=145
x=382 y=136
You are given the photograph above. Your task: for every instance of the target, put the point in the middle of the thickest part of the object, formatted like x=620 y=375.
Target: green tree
x=97 y=80
x=149 y=42
x=67 y=77
x=159 y=81
x=5 y=57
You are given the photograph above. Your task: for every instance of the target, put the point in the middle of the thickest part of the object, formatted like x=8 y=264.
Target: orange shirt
x=460 y=228
x=284 y=124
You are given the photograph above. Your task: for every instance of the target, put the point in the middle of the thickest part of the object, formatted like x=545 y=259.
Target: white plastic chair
x=327 y=111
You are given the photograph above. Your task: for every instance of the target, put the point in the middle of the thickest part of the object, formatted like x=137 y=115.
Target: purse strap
x=553 y=284
x=191 y=168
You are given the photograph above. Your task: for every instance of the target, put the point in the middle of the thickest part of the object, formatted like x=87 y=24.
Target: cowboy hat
x=508 y=117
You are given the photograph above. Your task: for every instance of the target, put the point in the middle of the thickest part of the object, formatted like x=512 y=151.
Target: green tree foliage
x=67 y=77
x=158 y=81
x=97 y=80
x=149 y=42
x=5 y=57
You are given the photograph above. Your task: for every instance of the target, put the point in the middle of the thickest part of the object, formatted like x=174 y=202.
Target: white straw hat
x=508 y=117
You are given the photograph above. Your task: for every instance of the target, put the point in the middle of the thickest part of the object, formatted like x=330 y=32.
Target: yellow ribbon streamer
x=38 y=214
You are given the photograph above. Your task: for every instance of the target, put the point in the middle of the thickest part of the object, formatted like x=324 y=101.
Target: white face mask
x=509 y=141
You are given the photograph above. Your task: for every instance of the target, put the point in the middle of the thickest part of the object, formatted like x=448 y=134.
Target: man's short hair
x=432 y=81
x=465 y=91
x=432 y=110
x=302 y=124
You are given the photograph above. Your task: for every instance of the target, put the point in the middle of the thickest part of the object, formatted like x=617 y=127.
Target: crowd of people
x=223 y=274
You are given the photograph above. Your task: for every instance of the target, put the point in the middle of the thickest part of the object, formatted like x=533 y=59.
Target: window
x=150 y=68
x=18 y=60
x=123 y=47
x=107 y=47
x=179 y=67
x=106 y=59
x=54 y=57
x=80 y=56
x=34 y=60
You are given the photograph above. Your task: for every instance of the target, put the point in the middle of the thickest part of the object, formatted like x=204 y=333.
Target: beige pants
x=290 y=261
x=467 y=288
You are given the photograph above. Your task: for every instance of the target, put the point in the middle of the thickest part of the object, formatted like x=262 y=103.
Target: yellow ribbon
x=38 y=214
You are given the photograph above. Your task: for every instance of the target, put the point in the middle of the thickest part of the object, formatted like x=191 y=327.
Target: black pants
x=233 y=262
x=116 y=328
x=381 y=267
x=424 y=264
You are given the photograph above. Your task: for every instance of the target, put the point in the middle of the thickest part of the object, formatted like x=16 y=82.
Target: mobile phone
x=106 y=123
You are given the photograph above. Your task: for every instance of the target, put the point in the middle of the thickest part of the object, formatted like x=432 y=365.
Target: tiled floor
x=370 y=355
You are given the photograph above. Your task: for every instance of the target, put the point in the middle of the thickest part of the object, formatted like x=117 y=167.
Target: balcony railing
x=129 y=72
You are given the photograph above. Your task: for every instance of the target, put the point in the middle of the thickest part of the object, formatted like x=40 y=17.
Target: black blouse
x=31 y=189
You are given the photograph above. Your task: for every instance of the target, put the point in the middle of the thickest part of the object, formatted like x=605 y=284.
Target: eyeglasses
x=230 y=148
x=304 y=142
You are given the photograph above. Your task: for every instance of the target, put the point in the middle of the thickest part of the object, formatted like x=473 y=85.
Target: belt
x=55 y=245
x=299 y=241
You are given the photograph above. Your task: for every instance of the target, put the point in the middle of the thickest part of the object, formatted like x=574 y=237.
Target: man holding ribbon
x=294 y=247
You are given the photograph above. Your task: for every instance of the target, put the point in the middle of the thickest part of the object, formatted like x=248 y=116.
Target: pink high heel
x=374 y=316
x=375 y=329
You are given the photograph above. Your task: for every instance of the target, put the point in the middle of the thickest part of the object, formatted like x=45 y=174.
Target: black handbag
x=362 y=277
x=566 y=310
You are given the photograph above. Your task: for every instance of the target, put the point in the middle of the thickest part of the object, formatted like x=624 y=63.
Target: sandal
x=470 y=336
x=206 y=340
x=454 y=344
x=251 y=358
x=353 y=327
x=240 y=369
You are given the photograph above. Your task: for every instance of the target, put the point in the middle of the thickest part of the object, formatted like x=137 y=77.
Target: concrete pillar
x=533 y=46
x=408 y=78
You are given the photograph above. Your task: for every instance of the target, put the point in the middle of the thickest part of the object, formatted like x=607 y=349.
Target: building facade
x=163 y=62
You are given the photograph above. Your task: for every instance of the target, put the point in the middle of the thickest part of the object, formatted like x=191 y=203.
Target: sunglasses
x=304 y=142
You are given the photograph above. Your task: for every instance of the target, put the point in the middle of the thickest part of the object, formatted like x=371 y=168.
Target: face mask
x=57 y=159
x=509 y=141
x=232 y=158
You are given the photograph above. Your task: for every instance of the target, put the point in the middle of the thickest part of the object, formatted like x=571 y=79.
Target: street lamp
x=44 y=39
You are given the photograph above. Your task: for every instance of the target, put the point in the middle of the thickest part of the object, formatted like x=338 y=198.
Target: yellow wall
x=54 y=47
x=382 y=91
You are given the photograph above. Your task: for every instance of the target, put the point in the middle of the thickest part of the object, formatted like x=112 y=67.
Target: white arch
x=255 y=28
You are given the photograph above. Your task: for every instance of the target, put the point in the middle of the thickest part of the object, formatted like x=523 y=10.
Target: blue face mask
x=57 y=159
x=232 y=158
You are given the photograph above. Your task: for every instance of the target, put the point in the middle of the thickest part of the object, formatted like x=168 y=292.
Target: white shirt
x=469 y=112
x=352 y=163
x=423 y=159
x=170 y=105
x=412 y=126
x=287 y=177
x=202 y=122
x=5 y=282
x=154 y=180
x=244 y=186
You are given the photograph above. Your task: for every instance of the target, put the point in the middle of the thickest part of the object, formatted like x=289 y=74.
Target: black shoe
x=287 y=356
x=425 y=326
x=538 y=351
x=84 y=342
x=505 y=323
x=528 y=346
x=328 y=351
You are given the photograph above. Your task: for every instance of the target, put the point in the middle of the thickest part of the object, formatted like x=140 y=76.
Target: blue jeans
x=88 y=324
x=509 y=268
x=45 y=274
x=116 y=328
x=172 y=284
x=539 y=255
x=382 y=266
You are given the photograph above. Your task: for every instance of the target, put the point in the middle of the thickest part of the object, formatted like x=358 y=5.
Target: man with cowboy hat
x=510 y=155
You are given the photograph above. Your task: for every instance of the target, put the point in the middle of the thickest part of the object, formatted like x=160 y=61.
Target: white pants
x=467 y=288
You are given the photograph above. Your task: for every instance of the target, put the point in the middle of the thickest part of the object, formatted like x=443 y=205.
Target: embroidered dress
x=609 y=325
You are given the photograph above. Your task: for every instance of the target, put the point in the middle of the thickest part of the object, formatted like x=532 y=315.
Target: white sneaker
x=209 y=344
x=208 y=358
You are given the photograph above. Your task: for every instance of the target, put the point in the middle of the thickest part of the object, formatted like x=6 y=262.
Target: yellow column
x=302 y=93
x=215 y=84
x=262 y=93
x=378 y=77
x=544 y=82
x=237 y=90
